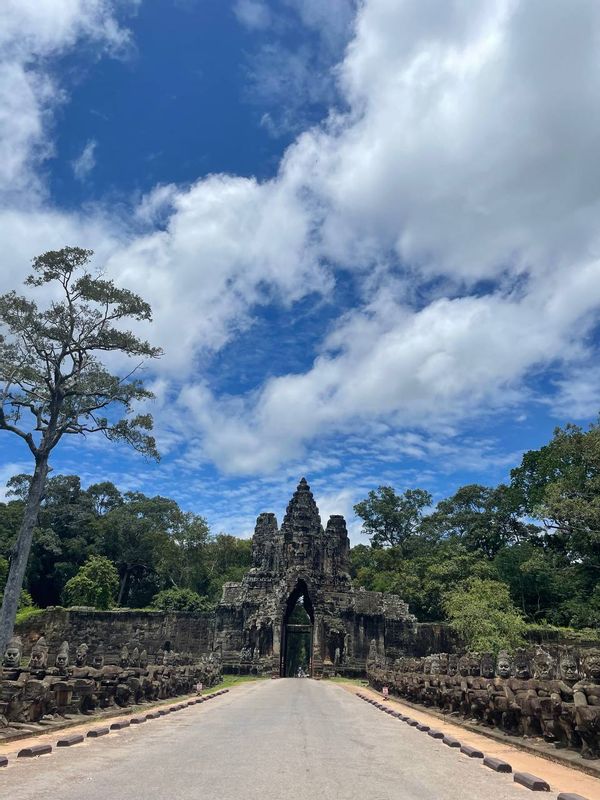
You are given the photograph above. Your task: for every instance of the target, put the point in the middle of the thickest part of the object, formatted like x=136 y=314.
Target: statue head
x=521 y=664
x=487 y=665
x=98 y=657
x=567 y=665
x=13 y=653
x=591 y=665
x=135 y=657
x=39 y=655
x=463 y=665
x=544 y=665
x=452 y=664
x=503 y=665
x=144 y=659
x=436 y=664
x=427 y=665
x=443 y=658
x=62 y=657
x=474 y=664
x=124 y=657
x=81 y=655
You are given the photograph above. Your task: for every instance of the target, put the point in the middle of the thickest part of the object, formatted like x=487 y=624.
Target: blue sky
x=368 y=231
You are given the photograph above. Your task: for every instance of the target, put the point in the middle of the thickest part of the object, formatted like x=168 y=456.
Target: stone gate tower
x=303 y=560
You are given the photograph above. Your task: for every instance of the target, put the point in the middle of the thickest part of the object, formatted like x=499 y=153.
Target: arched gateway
x=296 y=606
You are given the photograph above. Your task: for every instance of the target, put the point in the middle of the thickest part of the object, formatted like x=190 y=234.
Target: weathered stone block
x=451 y=741
x=34 y=750
x=69 y=741
x=119 y=726
x=497 y=764
x=472 y=752
x=97 y=732
x=531 y=782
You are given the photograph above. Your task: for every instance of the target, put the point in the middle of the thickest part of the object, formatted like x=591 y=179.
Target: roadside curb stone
x=69 y=741
x=497 y=764
x=35 y=750
x=96 y=732
x=532 y=782
x=472 y=752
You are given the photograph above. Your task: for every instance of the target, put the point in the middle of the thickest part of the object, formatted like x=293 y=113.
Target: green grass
x=230 y=681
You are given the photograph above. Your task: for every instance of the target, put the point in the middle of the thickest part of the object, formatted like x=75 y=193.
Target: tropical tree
x=390 y=519
x=482 y=613
x=53 y=383
x=95 y=584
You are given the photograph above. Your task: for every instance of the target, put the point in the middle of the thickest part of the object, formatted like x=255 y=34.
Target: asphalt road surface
x=269 y=740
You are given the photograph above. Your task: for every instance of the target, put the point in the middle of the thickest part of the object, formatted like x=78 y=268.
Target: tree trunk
x=20 y=552
x=124 y=588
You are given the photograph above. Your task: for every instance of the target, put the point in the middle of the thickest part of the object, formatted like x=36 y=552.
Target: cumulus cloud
x=460 y=188
x=32 y=32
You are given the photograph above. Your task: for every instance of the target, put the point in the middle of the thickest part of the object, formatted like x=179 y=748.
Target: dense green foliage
x=483 y=615
x=151 y=542
x=538 y=536
x=95 y=584
x=180 y=600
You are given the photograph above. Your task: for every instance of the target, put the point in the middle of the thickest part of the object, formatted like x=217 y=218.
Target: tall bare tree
x=53 y=384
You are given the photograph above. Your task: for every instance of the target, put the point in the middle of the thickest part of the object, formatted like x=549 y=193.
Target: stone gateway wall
x=153 y=631
x=303 y=559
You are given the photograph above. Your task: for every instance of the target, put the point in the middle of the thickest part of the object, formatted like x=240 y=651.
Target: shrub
x=95 y=584
x=483 y=615
x=180 y=600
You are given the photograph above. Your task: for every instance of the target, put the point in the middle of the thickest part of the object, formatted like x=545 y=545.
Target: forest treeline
x=528 y=549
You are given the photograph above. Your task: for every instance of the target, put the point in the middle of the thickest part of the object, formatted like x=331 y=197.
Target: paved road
x=271 y=740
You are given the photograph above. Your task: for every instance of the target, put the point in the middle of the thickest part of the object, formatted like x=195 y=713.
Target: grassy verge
x=233 y=680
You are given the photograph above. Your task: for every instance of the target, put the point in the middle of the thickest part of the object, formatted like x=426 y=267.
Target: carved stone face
x=452 y=665
x=503 y=666
x=12 y=656
x=474 y=665
x=62 y=661
x=569 y=671
x=81 y=655
x=591 y=666
x=124 y=658
x=521 y=668
x=436 y=666
x=39 y=656
x=543 y=666
x=98 y=661
x=487 y=666
x=463 y=666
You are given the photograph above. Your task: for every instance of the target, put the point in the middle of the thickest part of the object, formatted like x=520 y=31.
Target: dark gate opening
x=297 y=634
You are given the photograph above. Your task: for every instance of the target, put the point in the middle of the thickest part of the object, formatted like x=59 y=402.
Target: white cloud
x=85 y=161
x=254 y=14
x=32 y=32
x=467 y=155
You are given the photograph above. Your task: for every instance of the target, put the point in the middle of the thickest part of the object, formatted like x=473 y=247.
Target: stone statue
x=13 y=653
x=39 y=655
x=124 y=657
x=586 y=696
x=81 y=655
x=62 y=658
